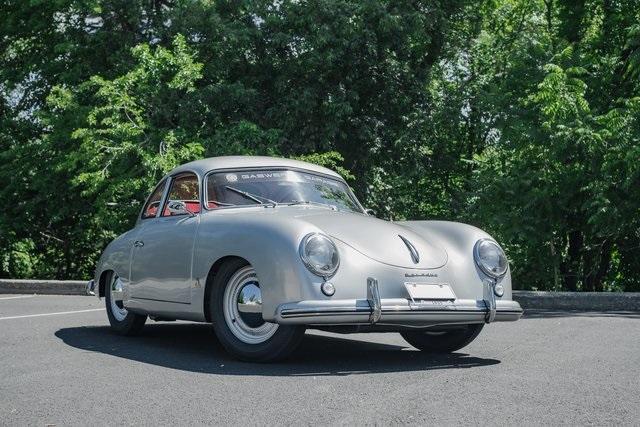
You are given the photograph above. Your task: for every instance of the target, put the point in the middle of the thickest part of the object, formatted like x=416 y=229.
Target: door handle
x=138 y=243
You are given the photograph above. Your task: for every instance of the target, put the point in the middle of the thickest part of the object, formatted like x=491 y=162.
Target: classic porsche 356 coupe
x=264 y=248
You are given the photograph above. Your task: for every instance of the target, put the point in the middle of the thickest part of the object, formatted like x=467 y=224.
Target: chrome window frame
x=168 y=187
x=166 y=180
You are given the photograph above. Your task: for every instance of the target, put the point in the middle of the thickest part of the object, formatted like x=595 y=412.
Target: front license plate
x=430 y=291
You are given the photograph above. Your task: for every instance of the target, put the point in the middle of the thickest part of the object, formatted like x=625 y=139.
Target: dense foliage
x=519 y=116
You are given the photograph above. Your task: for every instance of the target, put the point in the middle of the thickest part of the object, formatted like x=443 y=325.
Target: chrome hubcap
x=116 y=296
x=243 y=308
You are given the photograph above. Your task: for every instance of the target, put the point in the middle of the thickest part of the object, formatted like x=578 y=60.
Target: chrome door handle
x=138 y=243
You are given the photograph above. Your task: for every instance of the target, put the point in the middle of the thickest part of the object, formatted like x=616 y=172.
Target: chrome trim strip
x=287 y=313
x=158 y=300
x=415 y=257
x=318 y=314
x=339 y=310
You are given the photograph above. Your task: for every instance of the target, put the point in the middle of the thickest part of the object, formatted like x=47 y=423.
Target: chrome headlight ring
x=319 y=254
x=490 y=258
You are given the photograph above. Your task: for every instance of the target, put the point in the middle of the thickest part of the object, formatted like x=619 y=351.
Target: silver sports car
x=264 y=248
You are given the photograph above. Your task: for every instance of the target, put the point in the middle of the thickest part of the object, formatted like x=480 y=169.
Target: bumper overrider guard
x=489 y=298
x=399 y=311
x=90 y=288
x=373 y=298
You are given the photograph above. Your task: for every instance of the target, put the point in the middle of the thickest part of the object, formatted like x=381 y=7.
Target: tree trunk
x=571 y=14
x=571 y=266
x=549 y=18
x=556 y=267
x=595 y=277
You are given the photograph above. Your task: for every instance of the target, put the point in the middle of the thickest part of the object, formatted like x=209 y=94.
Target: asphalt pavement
x=61 y=365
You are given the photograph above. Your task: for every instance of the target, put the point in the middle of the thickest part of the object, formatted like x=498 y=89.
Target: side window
x=153 y=204
x=184 y=188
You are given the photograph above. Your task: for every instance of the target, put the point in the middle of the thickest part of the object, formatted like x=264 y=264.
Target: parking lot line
x=51 y=314
x=18 y=297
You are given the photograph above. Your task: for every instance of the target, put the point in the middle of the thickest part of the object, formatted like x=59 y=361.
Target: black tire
x=132 y=324
x=443 y=342
x=279 y=346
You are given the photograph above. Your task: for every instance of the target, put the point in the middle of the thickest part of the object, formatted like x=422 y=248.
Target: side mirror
x=369 y=212
x=178 y=207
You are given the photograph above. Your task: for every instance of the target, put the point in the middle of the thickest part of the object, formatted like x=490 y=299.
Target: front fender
x=270 y=245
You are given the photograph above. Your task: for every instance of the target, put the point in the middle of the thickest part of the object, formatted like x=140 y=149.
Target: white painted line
x=51 y=314
x=18 y=297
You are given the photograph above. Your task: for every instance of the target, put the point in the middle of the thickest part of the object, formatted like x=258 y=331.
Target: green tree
x=108 y=95
x=518 y=116
x=572 y=208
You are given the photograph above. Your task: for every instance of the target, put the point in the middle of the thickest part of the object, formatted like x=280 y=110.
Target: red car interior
x=193 y=206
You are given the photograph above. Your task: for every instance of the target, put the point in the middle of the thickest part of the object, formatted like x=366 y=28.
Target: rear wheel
x=236 y=313
x=443 y=341
x=122 y=321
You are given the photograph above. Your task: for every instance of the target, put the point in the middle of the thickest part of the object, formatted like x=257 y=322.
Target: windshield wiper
x=310 y=202
x=251 y=196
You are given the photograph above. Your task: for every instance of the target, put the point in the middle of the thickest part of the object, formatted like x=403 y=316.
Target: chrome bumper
x=398 y=311
x=90 y=288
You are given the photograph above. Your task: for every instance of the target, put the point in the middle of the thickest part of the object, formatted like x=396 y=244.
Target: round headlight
x=319 y=254
x=490 y=258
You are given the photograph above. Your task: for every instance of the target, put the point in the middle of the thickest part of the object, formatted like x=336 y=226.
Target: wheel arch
x=102 y=282
x=270 y=246
x=213 y=270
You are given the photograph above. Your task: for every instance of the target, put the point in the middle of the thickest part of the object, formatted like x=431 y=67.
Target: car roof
x=203 y=166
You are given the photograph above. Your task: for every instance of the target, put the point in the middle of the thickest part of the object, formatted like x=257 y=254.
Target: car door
x=163 y=249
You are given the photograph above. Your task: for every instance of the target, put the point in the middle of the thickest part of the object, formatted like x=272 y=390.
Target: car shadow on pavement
x=193 y=347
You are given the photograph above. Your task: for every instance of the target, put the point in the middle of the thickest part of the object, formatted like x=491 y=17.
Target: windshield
x=270 y=187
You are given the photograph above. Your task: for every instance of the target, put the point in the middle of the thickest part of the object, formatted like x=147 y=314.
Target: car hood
x=380 y=240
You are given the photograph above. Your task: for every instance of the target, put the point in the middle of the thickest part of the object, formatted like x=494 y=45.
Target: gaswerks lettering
x=263 y=175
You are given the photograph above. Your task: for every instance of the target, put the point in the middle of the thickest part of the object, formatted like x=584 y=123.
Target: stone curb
x=579 y=301
x=529 y=300
x=43 y=287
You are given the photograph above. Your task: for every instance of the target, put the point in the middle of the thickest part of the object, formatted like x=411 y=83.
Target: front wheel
x=236 y=312
x=443 y=341
x=122 y=321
